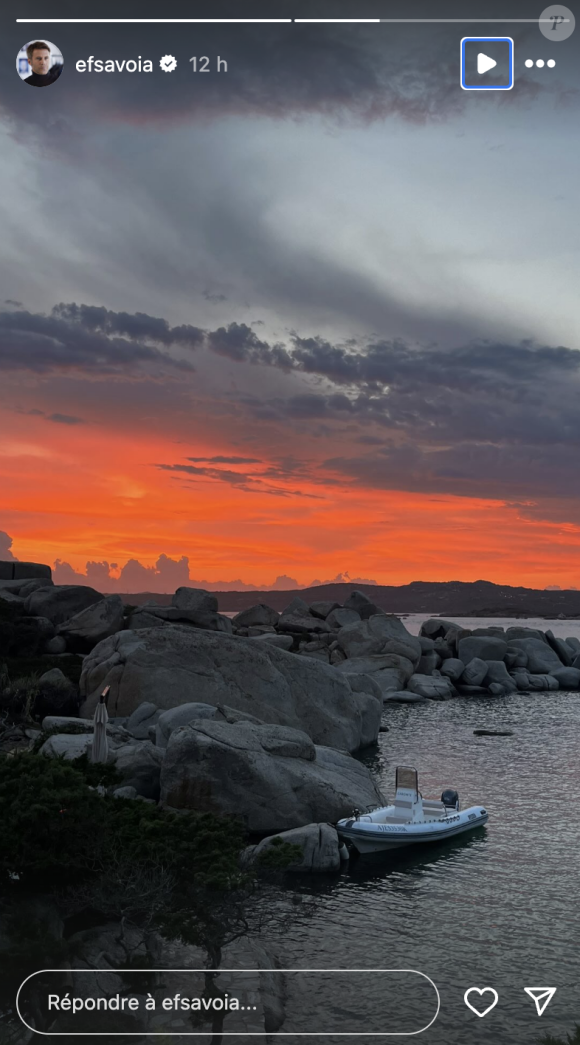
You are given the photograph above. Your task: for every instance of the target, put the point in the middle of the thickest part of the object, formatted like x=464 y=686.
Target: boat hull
x=368 y=837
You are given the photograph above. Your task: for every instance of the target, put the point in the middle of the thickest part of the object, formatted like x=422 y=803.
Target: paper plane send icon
x=484 y=63
x=542 y=996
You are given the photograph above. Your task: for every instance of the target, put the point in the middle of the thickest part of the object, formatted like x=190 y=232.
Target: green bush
x=56 y=831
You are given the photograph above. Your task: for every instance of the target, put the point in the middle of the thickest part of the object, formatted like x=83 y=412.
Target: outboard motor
x=450 y=799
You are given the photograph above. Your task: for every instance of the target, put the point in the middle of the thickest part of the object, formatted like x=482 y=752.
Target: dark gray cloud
x=65 y=419
x=224 y=460
x=82 y=337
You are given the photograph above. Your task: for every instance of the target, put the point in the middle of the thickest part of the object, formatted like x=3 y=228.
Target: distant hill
x=445 y=598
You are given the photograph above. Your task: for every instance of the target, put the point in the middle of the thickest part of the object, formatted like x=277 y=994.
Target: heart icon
x=481 y=991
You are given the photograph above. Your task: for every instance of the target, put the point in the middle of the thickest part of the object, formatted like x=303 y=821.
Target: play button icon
x=485 y=63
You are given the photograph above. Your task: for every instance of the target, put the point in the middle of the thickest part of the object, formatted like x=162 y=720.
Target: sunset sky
x=315 y=316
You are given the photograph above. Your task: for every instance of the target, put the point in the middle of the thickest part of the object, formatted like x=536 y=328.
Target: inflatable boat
x=411 y=820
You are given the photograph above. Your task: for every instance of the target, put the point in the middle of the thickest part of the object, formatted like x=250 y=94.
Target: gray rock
x=178 y=665
x=426 y=644
x=193 y=609
x=259 y=629
x=516 y=658
x=281 y=641
x=404 y=696
x=320 y=849
x=561 y=648
x=271 y=776
x=60 y=602
x=255 y=615
x=444 y=650
x=475 y=672
x=436 y=627
x=436 y=687
x=10 y=598
x=540 y=683
x=471 y=691
x=362 y=683
x=453 y=668
x=125 y=792
x=14 y=569
x=482 y=647
x=173 y=719
x=340 y=618
x=381 y=633
x=574 y=644
x=517 y=632
x=498 y=673
x=140 y=721
x=493 y=631
x=297 y=608
x=195 y=600
x=428 y=663
x=302 y=624
x=55 y=646
x=389 y=672
x=69 y=746
x=140 y=767
x=322 y=609
x=93 y=624
x=365 y=607
x=568 y=678
x=541 y=657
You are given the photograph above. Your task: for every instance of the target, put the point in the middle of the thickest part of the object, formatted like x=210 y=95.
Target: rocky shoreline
x=259 y=715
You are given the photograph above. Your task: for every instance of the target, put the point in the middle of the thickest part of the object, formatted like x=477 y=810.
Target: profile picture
x=39 y=63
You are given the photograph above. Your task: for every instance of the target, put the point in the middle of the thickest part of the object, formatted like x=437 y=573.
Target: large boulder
x=255 y=615
x=542 y=683
x=568 y=678
x=297 y=608
x=498 y=673
x=381 y=633
x=173 y=719
x=193 y=606
x=57 y=695
x=519 y=632
x=319 y=844
x=271 y=776
x=14 y=569
x=144 y=718
x=474 y=672
x=453 y=668
x=341 y=617
x=561 y=648
x=365 y=607
x=323 y=608
x=302 y=624
x=484 y=647
x=140 y=766
x=92 y=625
x=389 y=672
x=436 y=687
x=178 y=665
x=541 y=657
x=281 y=641
x=60 y=602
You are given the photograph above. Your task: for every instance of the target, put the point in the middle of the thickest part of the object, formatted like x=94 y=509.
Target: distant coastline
x=446 y=598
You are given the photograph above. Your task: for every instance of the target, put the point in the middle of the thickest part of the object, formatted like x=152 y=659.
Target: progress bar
x=280 y=21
